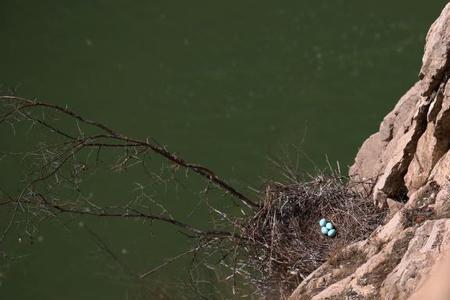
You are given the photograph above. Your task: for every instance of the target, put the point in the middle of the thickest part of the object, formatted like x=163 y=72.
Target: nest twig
x=284 y=239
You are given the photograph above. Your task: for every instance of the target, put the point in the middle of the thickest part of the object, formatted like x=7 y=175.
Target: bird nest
x=285 y=242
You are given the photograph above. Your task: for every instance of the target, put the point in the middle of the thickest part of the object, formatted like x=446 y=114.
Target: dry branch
x=23 y=106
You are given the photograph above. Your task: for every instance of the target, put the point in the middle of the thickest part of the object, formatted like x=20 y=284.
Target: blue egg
x=331 y=232
x=329 y=226
x=324 y=230
x=322 y=222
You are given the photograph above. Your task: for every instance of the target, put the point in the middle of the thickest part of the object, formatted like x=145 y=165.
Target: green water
x=225 y=84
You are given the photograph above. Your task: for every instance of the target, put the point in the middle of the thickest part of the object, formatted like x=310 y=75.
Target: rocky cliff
x=404 y=166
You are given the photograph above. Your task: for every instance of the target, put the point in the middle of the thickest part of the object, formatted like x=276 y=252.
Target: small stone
x=324 y=230
x=329 y=226
x=322 y=222
x=331 y=232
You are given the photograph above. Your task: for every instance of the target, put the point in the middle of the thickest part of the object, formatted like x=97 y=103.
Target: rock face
x=404 y=166
x=398 y=160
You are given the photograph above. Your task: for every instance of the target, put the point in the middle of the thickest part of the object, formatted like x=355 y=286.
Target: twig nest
x=331 y=232
x=324 y=230
x=322 y=222
x=329 y=226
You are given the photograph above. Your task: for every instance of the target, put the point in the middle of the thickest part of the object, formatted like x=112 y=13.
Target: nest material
x=286 y=243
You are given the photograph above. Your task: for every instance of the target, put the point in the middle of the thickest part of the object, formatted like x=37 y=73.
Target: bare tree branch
x=23 y=106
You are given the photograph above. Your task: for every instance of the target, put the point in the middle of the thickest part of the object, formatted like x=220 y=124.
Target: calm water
x=224 y=84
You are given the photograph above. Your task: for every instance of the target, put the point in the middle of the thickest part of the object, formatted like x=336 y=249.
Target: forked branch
x=109 y=138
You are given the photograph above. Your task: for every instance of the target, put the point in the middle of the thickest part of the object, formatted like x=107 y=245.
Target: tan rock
x=416 y=134
x=406 y=166
x=435 y=58
x=442 y=205
x=425 y=248
x=394 y=272
x=436 y=287
x=377 y=150
x=394 y=207
x=440 y=173
x=433 y=144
